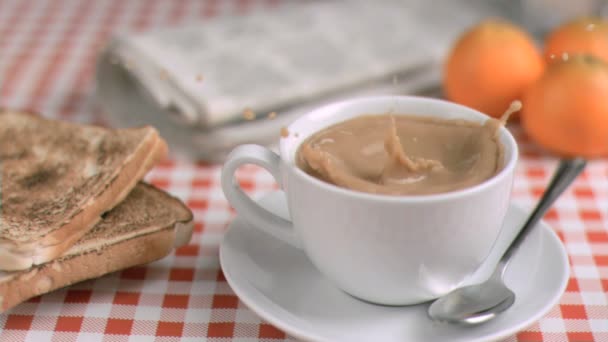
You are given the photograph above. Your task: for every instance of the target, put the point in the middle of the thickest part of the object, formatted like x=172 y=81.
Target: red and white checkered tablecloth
x=47 y=54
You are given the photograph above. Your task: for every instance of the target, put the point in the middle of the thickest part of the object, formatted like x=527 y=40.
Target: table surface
x=47 y=54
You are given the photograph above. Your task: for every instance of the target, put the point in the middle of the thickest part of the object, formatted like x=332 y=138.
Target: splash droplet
x=515 y=106
x=114 y=60
x=129 y=64
x=163 y=74
x=248 y=114
x=284 y=132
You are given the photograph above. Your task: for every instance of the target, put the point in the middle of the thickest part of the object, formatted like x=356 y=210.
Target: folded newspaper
x=238 y=79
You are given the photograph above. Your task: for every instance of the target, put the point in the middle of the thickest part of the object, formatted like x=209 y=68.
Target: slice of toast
x=57 y=178
x=145 y=227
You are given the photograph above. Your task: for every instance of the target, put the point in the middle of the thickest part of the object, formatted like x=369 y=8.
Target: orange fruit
x=566 y=110
x=587 y=35
x=490 y=65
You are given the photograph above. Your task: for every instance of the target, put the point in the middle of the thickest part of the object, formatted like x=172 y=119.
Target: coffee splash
x=399 y=167
x=405 y=155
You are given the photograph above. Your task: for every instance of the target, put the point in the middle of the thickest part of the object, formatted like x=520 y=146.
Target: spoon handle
x=566 y=173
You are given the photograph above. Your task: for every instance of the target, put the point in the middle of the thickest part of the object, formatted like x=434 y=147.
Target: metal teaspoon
x=479 y=303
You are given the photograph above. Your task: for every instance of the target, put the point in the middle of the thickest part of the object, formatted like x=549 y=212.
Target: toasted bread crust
x=67 y=271
x=56 y=185
x=143 y=228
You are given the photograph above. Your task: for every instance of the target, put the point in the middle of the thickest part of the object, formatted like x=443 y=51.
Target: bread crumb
x=44 y=284
x=272 y=115
x=248 y=114
x=56 y=266
x=284 y=132
x=129 y=64
x=199 y=78
x=164 y=74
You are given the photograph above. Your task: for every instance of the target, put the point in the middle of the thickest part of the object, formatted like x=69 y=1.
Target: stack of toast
x=73 y=205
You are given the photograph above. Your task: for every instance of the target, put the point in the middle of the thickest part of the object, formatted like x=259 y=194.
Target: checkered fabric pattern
x=47 y=54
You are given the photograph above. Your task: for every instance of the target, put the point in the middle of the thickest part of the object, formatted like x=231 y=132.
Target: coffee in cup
x=403 y=155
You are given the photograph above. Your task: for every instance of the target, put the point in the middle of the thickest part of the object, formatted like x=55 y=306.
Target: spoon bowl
x=473 y=304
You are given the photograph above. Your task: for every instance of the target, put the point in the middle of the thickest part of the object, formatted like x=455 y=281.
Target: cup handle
x=259 y=217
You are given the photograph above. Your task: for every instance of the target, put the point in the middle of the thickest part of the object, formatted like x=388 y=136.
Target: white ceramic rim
x=288 y=152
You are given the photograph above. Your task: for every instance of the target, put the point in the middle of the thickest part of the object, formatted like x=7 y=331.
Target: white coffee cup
x=393 y=250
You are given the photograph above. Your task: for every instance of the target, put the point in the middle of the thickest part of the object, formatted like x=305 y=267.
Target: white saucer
x=280 y=284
